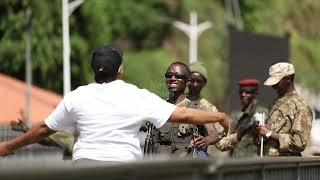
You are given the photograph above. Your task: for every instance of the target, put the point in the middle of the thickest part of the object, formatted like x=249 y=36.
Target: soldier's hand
x=241 y=132
x=19 y=125
x=4 y=149
x=262 y=130
x=16 y=121
x=200 y=142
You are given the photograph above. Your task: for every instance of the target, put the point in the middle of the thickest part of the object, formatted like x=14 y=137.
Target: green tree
x=212 y=47
x=46 y=40
x=300 y=19
x=132 y=24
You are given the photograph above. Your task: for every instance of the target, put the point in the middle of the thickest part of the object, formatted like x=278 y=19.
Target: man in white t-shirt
x=107 y=115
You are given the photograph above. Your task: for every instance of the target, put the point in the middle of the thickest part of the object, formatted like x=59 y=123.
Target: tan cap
x=199 y=68
x=277 y=72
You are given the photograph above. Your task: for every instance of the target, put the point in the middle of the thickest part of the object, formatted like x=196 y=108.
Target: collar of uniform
x=292 y=93
x=248 y=109
x=196 y=99
x=280 y=101
x=183 y=103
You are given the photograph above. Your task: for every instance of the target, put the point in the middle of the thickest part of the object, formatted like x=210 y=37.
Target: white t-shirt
x=107 y=118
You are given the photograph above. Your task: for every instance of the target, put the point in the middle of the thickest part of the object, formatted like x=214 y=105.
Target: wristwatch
x=268 y=134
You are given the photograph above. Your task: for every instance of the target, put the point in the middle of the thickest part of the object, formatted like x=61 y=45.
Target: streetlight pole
x=193 y=31
x=234 y=13
x=28 y=72
x=67 y=9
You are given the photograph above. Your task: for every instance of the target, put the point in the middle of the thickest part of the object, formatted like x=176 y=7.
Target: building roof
x=13 y=101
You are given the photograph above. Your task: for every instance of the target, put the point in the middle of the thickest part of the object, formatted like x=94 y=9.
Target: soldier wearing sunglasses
x=169 y=139
x=242 y=142
x=173 y=138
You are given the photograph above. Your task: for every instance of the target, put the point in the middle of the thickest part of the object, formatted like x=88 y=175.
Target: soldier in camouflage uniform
x=289 y=124
x=202 y=141
x=242 y=143
x=172 y=138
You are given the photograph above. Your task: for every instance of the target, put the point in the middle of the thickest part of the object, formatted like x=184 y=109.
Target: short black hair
x=105 y=62
x=181 y=64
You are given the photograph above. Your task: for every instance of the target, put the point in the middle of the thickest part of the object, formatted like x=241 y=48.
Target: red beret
x=248 y=82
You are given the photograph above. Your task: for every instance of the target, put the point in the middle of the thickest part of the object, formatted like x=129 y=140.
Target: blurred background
x=145 y=30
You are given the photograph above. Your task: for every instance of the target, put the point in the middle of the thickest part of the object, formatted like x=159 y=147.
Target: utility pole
x=28 y=69
x=193 y=31
x=234 y=13
x=67 y=9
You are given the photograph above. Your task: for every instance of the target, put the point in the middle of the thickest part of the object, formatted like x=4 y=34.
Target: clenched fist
x=4 y=149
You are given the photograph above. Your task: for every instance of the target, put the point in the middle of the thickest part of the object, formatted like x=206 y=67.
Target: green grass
x=146 y=70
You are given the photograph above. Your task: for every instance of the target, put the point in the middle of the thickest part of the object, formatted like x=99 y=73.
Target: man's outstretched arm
x=32 y=136
x=194 y=116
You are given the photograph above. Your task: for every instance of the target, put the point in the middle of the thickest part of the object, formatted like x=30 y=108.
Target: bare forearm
x=193 y=116
x=213 y=134
x=212 y=139
x=32 y=136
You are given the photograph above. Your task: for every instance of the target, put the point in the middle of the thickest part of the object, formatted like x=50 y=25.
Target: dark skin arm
x=194 y=116
x=263 y=129
x=20 y=125
x=34 y=135
x=243 y=131
x=201 y=142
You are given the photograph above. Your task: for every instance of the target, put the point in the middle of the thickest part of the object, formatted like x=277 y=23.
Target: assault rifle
x=148 y=143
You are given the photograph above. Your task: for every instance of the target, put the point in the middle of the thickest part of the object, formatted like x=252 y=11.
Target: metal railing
x=280 y=168
x=32 y=151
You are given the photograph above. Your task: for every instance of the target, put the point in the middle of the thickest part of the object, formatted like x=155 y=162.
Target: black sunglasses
x=247 y=91
x=175 y=74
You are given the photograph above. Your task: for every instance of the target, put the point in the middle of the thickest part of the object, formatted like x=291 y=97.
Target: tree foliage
x=301 y=20
x=144 y=29
x=133 y=24
x=46 y=41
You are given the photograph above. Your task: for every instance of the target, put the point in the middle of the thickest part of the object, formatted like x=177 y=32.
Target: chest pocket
x=185 y=130
x=165 y=132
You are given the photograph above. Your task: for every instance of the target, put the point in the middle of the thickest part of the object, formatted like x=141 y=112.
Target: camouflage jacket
x=291 y=118
x=63 y=140
x=246 y=146
x=58 y=139
x=202 y=104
